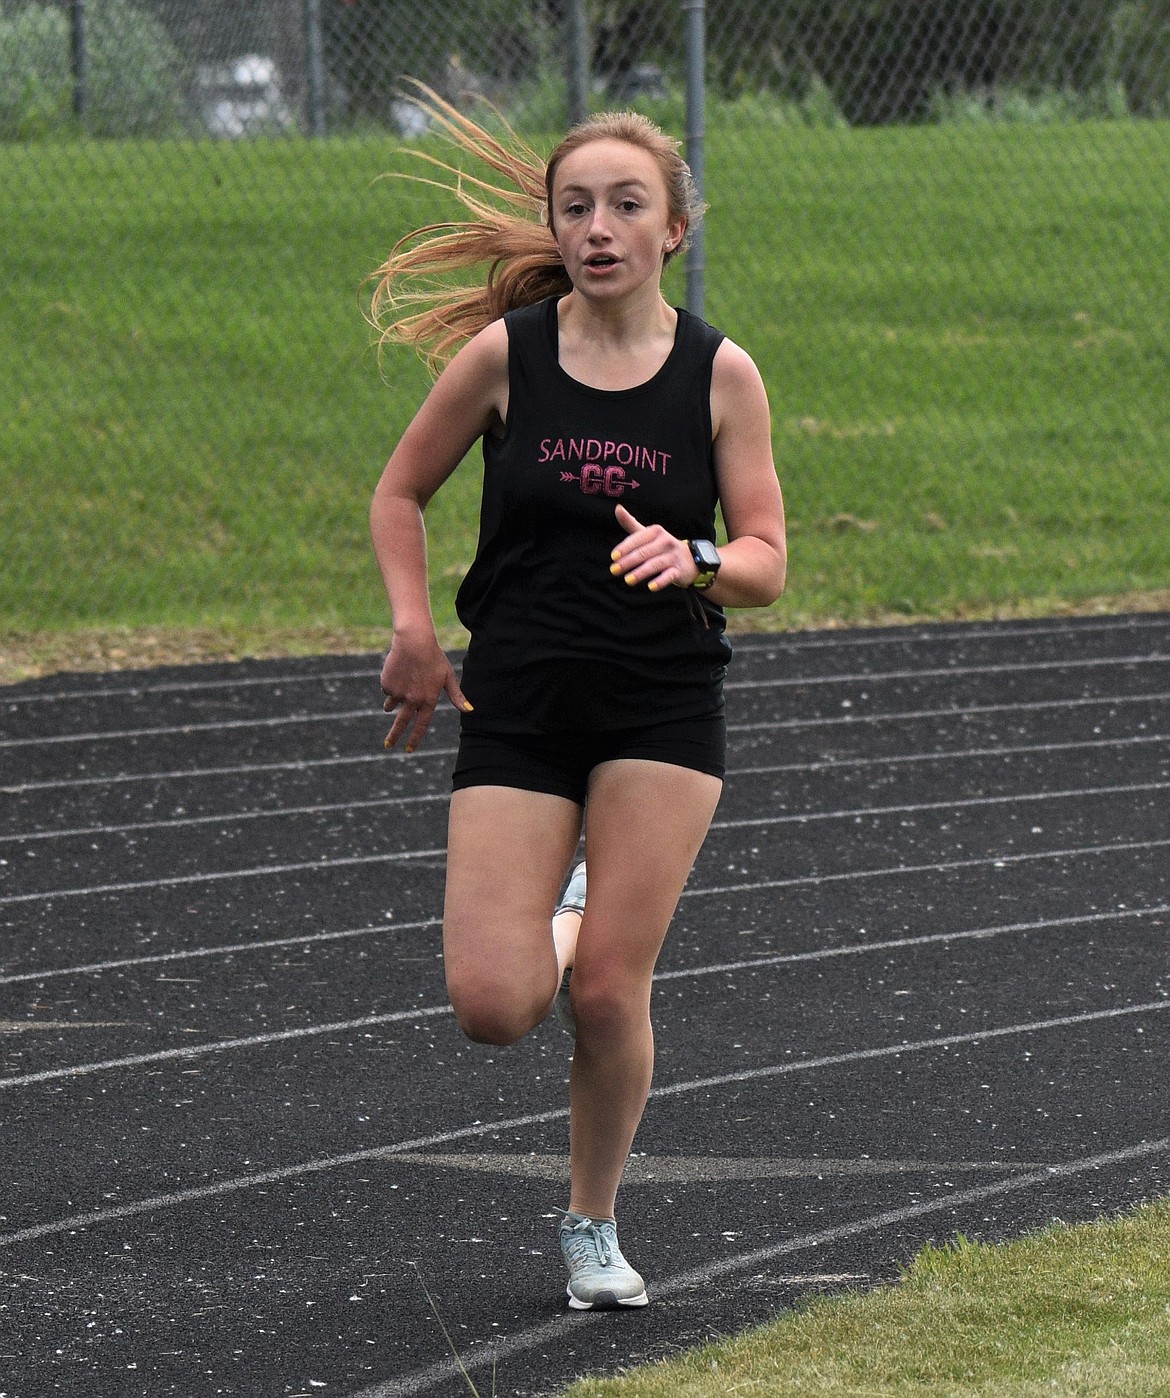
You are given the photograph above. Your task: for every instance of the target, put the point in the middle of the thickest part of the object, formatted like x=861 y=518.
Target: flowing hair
x=419 y=298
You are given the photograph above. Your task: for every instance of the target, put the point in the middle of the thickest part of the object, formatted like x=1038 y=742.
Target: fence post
x=80 y=59
x=577 y=61
x=696 y=20
x=315 y=62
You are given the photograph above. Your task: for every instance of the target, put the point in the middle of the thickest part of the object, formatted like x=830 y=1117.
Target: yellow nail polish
x=630 y=579
x=652 y=587
x=387 y=743
x=615 y=569
x=409 y=748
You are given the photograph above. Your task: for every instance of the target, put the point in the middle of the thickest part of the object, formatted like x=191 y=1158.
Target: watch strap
x=706 y=571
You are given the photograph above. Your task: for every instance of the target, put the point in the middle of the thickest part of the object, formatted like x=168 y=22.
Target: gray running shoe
x=599 y=1276
x=573 y=898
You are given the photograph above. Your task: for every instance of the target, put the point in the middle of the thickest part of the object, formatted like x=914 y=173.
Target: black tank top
x=557 y=642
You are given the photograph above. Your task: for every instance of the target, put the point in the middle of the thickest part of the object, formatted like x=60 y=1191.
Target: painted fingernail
x=410 y=747
x=631 y=579
x=615 y=569
x=652 y=587
x=387 y=743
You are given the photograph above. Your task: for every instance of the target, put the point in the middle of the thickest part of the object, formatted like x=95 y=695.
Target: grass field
x=963 y=331
x=1079 y=1312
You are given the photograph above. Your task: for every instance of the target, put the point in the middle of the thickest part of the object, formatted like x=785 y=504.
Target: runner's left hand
x=649 y=554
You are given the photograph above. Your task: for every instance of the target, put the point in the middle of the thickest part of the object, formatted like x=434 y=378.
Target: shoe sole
x=605 y=1301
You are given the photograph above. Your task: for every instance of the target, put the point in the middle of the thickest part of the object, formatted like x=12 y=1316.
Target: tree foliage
x=889 y=60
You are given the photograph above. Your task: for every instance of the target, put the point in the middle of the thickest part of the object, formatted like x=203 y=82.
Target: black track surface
x=916 y=986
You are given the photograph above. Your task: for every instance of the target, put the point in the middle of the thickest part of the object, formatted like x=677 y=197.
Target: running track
x=917 y=985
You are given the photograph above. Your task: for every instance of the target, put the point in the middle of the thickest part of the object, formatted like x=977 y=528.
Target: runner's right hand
x=414 y=674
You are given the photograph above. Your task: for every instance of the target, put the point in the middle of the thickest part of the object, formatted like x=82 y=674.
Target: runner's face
x=611 y=218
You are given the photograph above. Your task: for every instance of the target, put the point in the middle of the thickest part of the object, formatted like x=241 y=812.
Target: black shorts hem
x=560 y=764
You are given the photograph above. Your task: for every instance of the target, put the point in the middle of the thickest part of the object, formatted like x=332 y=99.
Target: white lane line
x=184 y=730
x=781 y=682
x=300 y=764
x=554 y=1332
x=45 y=1026
x=141 y=1060
x=92 y=968
x=259 y=872
x=788 y=643
x=327 y=808
x=956 y=804
x=1015 y=667
x=480 y=1128
x=142 y=691
x=311 y=939
x=941 y=631
x=996 y=861
x=968 y=711
x=829 y=764
x=910 y=942
x=1045 y=1174
x=278 y=1036
x=756 y=726
x=349 y=861
x=177 y=1198
x=226 y=818
x=976 y=1036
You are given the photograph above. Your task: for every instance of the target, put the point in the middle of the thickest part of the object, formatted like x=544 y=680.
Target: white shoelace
x=587 y=1235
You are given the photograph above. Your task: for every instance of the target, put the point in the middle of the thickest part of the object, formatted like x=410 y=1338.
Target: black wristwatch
x=707 y=561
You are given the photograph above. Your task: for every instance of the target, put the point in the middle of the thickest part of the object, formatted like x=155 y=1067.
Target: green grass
x=1080 y=1312
x=966 y=359
x=963 y=331
x=197 y=403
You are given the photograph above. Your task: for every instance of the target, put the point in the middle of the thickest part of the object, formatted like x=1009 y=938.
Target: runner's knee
x=607 y=1004
x=491 y=1010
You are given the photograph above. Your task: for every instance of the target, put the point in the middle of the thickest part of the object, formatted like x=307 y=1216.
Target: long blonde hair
x=509 y=229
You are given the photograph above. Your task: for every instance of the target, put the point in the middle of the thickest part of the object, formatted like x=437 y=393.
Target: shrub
x=1022 y=105
x=36 y=87
x=135 y=85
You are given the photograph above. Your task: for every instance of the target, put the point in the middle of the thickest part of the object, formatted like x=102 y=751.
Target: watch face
x=706 y=555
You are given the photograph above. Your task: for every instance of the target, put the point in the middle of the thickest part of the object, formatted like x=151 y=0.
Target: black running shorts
x=560 y=763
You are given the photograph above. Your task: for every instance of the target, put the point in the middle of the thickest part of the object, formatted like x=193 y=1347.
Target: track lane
x=919 y=971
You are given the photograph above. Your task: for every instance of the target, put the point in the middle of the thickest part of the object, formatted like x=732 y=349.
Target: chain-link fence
x=941 y=227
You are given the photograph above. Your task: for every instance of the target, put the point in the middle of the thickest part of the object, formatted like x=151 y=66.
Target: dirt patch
x=31 y=655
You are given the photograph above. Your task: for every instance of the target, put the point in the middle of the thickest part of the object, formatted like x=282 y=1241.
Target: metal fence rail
x=125 y=126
